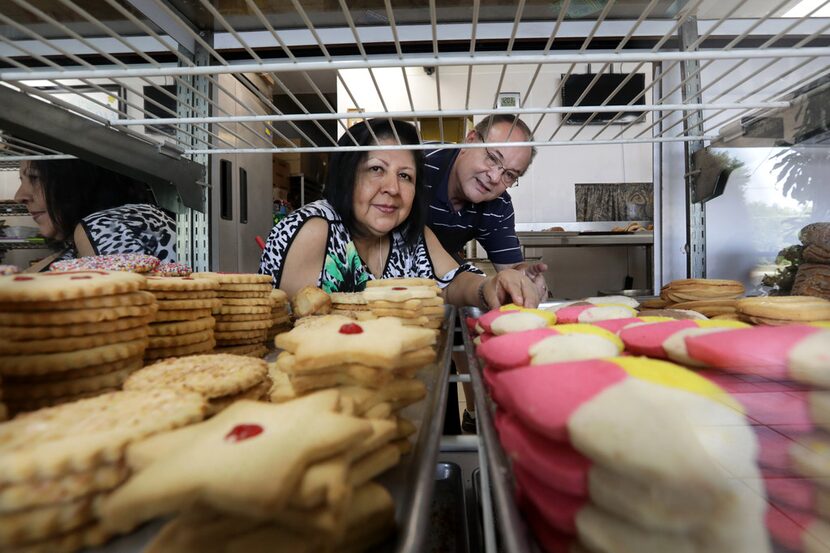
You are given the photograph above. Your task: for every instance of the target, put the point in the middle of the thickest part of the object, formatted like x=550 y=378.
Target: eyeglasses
x=508 y=177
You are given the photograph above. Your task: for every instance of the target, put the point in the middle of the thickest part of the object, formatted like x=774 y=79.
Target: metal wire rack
x=117 y=62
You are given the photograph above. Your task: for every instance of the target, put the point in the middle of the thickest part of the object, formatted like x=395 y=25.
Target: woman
x=88 y=210
x=371 y=225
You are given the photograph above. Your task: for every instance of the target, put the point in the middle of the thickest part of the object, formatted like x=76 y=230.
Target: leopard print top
x=343 y=270
x=130 y=228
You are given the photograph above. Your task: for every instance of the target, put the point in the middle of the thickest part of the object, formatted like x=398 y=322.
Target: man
x=468 y=200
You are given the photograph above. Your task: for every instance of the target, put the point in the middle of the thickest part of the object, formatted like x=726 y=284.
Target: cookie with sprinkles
x=130 y=262
x=172 y=269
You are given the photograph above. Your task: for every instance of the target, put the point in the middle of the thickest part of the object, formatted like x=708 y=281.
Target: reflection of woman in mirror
x=89 y=210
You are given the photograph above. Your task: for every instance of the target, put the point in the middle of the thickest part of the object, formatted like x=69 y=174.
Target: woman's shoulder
x=130 y=211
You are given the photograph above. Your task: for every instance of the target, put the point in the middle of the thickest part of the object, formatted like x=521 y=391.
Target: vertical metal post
x=695 y=211
x=656 y=251
x=192 y=226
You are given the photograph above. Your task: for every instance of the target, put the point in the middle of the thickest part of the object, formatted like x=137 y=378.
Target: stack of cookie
x=813 y=276
x=244 y=317
x=373 y=363
x=416 y=301
x=293 y=477
x=183 y=324
x=714 y=298
x=57 y=464
x=668 y=485
x=129 y=262
x=782 y=310
x=352 y=305
x=221 y=379
x=65 y=336
x=280 y=315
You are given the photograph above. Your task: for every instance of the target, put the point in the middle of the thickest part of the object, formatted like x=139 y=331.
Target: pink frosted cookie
x=799 y=352
x=589 y=313
x=562 y=467
x=9 y=269
x=793 y=492
x=595 y=405
x=774 y=445
x=650 y=339
x=500 y=322
x=798 y=530
x=129 y=262
x=615 y=325
x=549 y=345
x=555 y=517
x=172 y=269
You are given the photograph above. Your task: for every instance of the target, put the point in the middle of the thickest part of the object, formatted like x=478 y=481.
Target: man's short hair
x=483 y=127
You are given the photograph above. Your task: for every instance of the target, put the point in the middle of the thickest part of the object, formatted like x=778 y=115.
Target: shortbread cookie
x=251 y=350
x=182 y=315
x=68 y=387
x=113 y=300
x=73 y=374
x=276 y=441
x=179 y=351
x=249 y=294
x=184 y=295
x=74 y=343
x=693 y=289
x=65 y=331
x=20 y=365
x=230 y=326
x=170 y=305
x=247 y=301
x=69 y=487
x=209 y=375
x=132 y=262
x=181 y=327
x=310 y=300
x=226 y=279
x=179 y=339
x=74 y=316
x=67 y=286
x=22 y=405
x=237 y=317
x=180 y=284
x=419 y=303
x=514 y=320
x=78 y=436
x=254 y=393
x=404 y=281
x=399 y=293
x=244 y=310
x=225 y=335
x=710 y=308
x=377 y=343
x=19 y=527
x=612 y=300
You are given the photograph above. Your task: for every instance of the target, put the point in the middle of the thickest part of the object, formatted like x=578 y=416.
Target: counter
x=570 y=239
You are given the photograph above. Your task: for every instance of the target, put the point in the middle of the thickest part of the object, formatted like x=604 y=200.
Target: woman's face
x=30 y=193
x=384 y=190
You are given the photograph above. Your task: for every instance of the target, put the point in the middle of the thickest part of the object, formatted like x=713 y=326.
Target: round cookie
x=131 y=262
x=171 y=269
x=209 y=375
x=39 y=287
x=592 y=313
x=759 y=350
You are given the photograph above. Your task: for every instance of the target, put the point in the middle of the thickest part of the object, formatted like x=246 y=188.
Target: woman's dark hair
x=343 y=167
x=74 y=188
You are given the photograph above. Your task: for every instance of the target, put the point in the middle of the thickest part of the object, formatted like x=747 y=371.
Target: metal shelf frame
x=135 y=45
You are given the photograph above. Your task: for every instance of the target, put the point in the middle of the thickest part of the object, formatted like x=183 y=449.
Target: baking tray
x=411 y=482
x=448 y=515
x=514 y=536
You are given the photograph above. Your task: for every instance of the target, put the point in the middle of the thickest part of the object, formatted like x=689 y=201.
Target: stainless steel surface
x=411 y=482
x=513 y=533
x=558 y=240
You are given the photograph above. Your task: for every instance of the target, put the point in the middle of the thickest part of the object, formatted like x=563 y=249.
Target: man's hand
x=510 y=286
x=536 y=273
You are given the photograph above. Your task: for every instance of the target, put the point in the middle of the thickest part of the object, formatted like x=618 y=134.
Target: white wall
x=546 y=193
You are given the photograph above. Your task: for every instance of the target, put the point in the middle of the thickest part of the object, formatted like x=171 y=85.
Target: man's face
x=481 y=171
